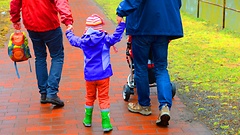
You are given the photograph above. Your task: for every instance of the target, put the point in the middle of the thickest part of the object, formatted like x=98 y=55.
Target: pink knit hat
x=94 y=21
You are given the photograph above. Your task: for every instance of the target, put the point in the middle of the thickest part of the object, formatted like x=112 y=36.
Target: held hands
x=17 y=25
x=69 y=27
x=119 y=19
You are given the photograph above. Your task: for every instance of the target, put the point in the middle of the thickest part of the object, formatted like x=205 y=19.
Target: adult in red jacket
x=40 y=18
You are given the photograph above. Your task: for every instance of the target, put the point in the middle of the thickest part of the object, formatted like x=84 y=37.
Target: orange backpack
x=18 y=49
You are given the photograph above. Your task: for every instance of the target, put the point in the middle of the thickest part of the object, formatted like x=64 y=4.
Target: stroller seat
x=128 y=89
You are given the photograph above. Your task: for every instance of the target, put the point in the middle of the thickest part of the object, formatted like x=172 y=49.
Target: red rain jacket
x=41 y=15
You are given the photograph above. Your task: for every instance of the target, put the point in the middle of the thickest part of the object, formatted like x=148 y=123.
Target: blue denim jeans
x=158 y=46
x=48 y=83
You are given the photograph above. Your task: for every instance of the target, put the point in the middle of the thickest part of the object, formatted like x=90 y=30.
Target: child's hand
x=123 y=20
x=69 y=27
x=119 y=19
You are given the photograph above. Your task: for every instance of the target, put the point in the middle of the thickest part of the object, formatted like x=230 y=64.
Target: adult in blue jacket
x=152 y=24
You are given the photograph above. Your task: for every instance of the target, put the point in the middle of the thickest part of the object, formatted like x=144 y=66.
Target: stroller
x=128 y=89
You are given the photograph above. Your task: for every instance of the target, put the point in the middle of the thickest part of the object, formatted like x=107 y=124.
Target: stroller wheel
x=126 y=92
x=174 y=89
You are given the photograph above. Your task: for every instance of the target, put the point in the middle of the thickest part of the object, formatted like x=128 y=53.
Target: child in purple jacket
x=96 y=44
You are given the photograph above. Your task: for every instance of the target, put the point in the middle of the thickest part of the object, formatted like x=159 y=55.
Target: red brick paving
x=21 y=113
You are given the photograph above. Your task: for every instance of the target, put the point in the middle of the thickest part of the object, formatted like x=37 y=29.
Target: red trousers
x=100 y=87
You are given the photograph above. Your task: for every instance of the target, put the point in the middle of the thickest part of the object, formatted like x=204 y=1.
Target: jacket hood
x=92 y=37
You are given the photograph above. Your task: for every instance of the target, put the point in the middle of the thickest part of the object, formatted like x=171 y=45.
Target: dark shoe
x=164 y=116
x=43 y=99
x=56 y=101
x=137 y=108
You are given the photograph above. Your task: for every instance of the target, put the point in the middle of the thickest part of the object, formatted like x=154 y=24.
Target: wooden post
x=198 y=8
x=224 y=13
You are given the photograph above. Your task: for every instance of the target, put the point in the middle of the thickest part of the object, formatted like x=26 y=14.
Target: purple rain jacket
x=96 y=48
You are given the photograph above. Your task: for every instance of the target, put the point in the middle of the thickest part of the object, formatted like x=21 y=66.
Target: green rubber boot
x=87 y=121
x=106 y=125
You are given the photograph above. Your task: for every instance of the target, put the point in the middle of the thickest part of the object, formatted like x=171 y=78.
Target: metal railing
x=222 y=6
x=224 y=12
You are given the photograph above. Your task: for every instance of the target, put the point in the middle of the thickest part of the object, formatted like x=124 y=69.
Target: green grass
x=206 y=65
x=4 y=21
x=4 y=5
x=209 y=55
x=109 y=7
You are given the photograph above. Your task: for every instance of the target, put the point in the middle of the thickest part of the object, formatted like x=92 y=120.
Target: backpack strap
x=29 y=65
x=15 y=65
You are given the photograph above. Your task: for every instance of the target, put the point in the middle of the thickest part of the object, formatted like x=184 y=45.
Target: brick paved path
x=22 y=114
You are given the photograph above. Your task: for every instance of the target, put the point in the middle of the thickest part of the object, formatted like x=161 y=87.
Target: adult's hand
x=17 y=25
x=119 y=19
